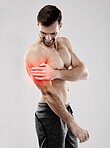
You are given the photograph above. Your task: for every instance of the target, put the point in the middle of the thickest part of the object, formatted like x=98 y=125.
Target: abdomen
x=62 y=89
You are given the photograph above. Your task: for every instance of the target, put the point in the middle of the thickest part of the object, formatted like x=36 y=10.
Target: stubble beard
x=50 y=43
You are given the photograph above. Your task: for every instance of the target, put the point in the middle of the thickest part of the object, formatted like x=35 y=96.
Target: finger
x=41 y=78
x=39 y=75
x=87 y=135
x=83 y=139
x=34 y=67
x=38 y=68
x=38 y=72
x=42 y=64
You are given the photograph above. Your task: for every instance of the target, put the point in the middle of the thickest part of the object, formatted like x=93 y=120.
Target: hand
x=80 y=133
x=43 y=72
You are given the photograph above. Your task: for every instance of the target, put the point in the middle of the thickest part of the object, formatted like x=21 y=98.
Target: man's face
x=49 y=34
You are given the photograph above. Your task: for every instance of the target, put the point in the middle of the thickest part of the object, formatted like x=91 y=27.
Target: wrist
x=72 y=123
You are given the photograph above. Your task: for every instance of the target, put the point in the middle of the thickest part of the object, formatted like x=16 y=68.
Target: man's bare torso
x=57 y=57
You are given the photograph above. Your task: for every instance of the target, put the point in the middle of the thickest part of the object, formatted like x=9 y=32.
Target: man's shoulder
x=64 y=40
x=34 y=49
x=34 y=52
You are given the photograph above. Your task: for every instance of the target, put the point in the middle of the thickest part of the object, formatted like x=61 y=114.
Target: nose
x=48 y=37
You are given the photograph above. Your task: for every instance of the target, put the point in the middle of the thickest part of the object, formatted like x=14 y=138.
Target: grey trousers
x=52 y=132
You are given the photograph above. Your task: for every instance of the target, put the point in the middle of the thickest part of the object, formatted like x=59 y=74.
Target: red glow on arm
x=39 y=83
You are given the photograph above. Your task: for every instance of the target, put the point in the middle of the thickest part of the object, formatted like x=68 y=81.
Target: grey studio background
x=86 y=23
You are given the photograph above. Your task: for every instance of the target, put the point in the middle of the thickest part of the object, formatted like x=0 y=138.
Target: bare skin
x=51 y=63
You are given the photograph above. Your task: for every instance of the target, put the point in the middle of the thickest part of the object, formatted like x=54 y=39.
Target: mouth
x=50 y=43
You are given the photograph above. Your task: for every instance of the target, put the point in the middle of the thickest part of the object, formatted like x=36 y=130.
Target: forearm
x=74 y=74
x=54 y=101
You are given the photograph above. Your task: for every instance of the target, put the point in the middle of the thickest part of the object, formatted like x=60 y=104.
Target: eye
x=55 y=33
x=43 y=33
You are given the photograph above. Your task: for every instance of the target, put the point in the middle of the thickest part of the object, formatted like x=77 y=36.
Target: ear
x=37 y=23
x=60 y=24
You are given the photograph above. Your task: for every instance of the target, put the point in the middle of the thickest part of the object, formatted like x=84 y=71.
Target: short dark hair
x=48 y=15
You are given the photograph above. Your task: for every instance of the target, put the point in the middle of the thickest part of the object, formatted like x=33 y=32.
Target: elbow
x=50 y=96
x=85 y=74
x=46 y=91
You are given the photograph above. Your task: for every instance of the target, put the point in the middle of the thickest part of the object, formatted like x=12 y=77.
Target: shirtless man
x=51 y=63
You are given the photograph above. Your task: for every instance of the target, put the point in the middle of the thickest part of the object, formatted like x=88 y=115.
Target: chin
x=48 y=45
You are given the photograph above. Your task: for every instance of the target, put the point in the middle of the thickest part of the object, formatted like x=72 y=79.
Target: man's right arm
x=53 y=99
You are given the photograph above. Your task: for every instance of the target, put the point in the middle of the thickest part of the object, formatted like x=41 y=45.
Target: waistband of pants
x=45 y=105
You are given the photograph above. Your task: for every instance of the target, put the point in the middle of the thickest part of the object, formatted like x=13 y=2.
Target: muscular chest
x=60 y=58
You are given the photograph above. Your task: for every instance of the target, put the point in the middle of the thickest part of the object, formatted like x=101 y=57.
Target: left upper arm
x=75 y=61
